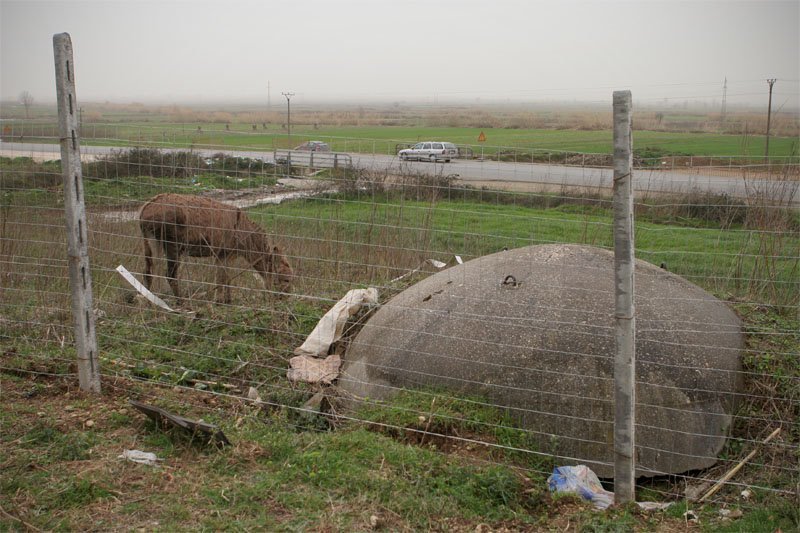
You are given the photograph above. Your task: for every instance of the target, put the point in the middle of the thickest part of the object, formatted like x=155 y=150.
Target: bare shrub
x=144 y=162
x=25 y=173
x=355 y=182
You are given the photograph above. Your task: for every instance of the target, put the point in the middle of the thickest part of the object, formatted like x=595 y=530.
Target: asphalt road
x=552 y=176
x=645 y=181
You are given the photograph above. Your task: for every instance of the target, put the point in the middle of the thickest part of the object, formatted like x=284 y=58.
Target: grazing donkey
x=200 y=227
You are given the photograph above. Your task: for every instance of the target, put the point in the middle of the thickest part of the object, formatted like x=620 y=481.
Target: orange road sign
x=482 y=137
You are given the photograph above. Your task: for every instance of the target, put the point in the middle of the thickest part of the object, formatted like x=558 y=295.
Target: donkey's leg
x=223 y=288
x=173 y=254
x=148 y=263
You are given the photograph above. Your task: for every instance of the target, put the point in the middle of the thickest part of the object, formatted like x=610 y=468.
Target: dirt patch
x=286 y=189
x=71 y=441
x=40 y=157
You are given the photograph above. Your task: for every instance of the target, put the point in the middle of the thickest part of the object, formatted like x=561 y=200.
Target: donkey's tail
x=148 y=260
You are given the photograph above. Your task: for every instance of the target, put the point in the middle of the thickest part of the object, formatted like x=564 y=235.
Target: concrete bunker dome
x=541 y=347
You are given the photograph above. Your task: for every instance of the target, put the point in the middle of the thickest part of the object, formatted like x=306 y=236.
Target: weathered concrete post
x=80 y=275
x=625 y=359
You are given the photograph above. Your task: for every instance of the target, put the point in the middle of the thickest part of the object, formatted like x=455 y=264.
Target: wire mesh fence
x=501 y=371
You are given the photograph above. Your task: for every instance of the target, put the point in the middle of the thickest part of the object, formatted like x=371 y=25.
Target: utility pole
x=289 y=115
x=771 y=82
x=724 y=102
x=269 y=97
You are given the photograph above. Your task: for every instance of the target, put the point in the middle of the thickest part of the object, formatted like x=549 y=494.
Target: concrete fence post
x=625 y=358
x=80 y=275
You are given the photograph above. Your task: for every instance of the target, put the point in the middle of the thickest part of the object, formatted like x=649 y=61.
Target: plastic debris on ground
x=581 y=480
x=142 y=290
x=138 y=456
x=307 y=366
x=330 y=326
x=252 y=394
x=653 y=506
x=312 y=370
x=730 y=514
x=435 y=262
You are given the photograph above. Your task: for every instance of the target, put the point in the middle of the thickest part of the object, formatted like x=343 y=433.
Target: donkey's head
x=281 y=269
x=275 y=269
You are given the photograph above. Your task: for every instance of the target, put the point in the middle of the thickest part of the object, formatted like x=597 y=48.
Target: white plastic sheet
x=435 y=262
x=330 y=327
x=307 y=366
x=142 y=289
x=138 y=456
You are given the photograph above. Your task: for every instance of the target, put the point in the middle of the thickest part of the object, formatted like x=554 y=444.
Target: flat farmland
x=384 y=139
x=387 y=139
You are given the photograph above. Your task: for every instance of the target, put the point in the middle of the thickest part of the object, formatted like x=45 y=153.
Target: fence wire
x=727 y=224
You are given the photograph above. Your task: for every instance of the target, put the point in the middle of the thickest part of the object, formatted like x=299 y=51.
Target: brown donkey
x=200 y=227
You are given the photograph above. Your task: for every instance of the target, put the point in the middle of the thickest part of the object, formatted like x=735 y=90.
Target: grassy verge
x=61 y=471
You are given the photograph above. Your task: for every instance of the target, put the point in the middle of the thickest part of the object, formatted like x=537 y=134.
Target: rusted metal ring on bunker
x=510 y=281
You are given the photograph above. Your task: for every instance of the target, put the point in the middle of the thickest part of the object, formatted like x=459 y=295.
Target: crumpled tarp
x=313 y=370
x=306 y=366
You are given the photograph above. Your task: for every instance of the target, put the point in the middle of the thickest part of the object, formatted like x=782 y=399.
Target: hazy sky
x=407 y=50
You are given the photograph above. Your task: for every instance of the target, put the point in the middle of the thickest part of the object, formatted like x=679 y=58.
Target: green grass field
x=722 y=260
x=387 y=139
x=383 y=140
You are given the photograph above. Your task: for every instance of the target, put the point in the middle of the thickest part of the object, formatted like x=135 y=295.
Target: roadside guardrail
x=302 y=158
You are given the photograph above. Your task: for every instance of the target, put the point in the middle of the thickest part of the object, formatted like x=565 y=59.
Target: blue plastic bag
x=582 y=481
